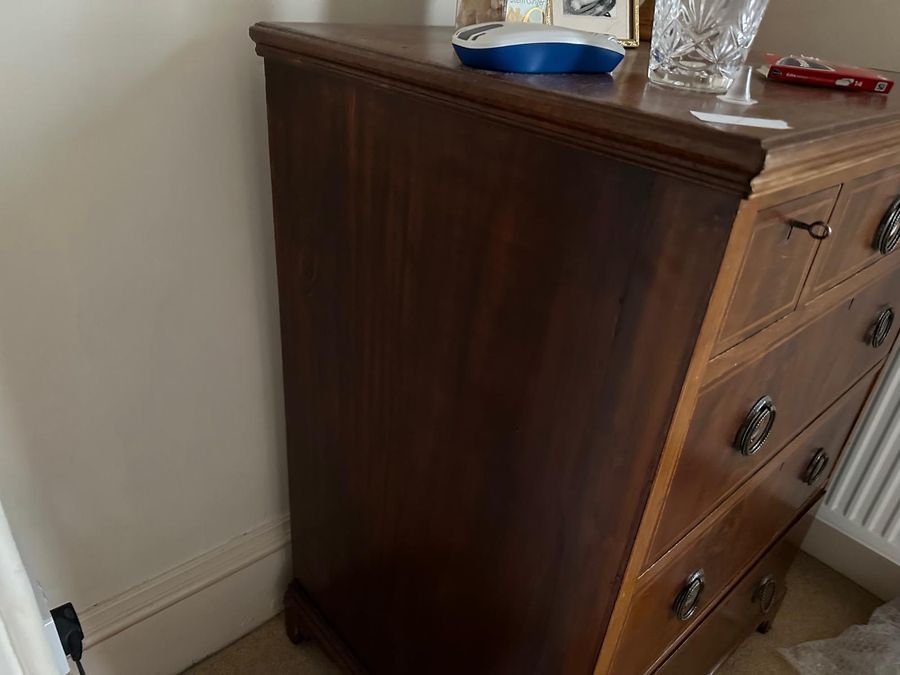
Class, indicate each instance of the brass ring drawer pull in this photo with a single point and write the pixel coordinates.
(881, 327)
(688, 601)
(764, 593)
(818, 229)
(888, 233)
(816, 467)
(756, 427)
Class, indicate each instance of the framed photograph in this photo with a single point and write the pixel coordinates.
(618, 18)
(528, 11)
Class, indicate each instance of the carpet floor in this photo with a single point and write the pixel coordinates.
(820, 603)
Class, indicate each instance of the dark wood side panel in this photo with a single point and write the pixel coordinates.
(484, 336)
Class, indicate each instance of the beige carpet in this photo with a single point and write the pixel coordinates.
(820, 603)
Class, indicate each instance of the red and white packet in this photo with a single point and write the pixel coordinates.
(820, 73)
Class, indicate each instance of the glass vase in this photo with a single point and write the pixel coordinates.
(702, 44)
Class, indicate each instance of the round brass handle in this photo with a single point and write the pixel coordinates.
(815, 467)
(888, 233)
(688, 601)
(765, 593)
(818, 229)
(756, 427)
(881, 327)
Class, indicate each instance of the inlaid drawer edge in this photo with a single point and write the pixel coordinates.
(737, 611)
(667, 538)
(712, 602)
(651, 573)
(718, 550)
(746, 353)
(831, 429)
(775, 265)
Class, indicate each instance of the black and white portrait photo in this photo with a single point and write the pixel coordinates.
(618, 18)
(589, 7)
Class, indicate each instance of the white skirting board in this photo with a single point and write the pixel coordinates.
(168, 623)
(841, 551)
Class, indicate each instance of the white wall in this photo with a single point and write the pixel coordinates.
(858, 32)
(141, 418)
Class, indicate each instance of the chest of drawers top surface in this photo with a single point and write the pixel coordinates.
(623, 114)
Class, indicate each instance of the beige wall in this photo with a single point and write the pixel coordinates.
(861, 32)
(141, 413)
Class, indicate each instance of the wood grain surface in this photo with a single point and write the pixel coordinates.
(484, 337)
(501, 297)
(731, 262)
(860, 209)
(733, 537)
(804, 374)
(621, 114)
(739, 613)
(776, 263)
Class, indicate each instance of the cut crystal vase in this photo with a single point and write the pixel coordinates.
(702, 44)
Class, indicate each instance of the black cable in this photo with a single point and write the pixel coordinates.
(68, 627)
(76, 648)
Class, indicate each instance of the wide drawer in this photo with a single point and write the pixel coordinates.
(863, 207)
(799, 377)
(775, 265)
(750, 605)
(718, 549)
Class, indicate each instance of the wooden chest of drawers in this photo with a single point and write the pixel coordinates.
(566, 371)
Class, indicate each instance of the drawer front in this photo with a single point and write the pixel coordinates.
(801, 376)
(775, 265)
(741, 612)
(726, 542)
(864, 204)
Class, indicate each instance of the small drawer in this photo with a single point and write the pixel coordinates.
(745, 417)
(776, 263)
(750, 605)
(865, 228)
(718, 549)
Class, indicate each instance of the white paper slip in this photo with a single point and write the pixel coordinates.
(738, 120)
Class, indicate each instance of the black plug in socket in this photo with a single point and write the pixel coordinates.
(69, 629)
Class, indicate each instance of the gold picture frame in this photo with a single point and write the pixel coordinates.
(527, 11)
(626, 29)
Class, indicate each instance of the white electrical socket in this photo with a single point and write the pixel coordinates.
(59, 654)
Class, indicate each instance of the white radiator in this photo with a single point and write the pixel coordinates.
(858, 527)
